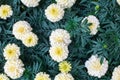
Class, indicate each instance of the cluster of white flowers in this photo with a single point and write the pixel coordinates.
(95, 24)
(5, 11)
(55, 12)
(31, 3)
(95, 67)
(14, 66)
(59, 40)
(22, 31)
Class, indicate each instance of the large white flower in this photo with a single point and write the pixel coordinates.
(14, 68)
(11, 51)
(95, 67)
(31, 3)
(118, 1)
(54, 13)
(5, 11)
(66, 3)
(116, 74)
(64, 76)
(95, 24)
(59, 52)
(60, 36)
(3, 77)
(30, 39)
(20, 28)
(42, 76)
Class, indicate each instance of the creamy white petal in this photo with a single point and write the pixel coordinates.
(31, 3)
(95, 68)
(54, 12)
(5, 11)
(116, 73)
(59, 52)
(42, 76)
(30, 39)
(95, 24)
(14, 68)
(11, 51)
(64, 76)
(66, 3)
(60, 36)
(20, 28)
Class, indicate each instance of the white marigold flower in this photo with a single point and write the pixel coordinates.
(30, 39)
(116, 74)
(14, 68)
(118, 1)
(95, 68)
(5, 11)
(66, 3)
(31, 3)
(11, 51)
(95, 24)
(3, 77)
(64, 76)
(54, 13)
(59, 52)
(20, 28)
(42, 76)
(60, 36)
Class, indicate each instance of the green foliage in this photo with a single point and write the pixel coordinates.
(106, 43)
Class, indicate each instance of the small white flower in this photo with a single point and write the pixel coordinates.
(30, 39)
(31, 3)
(95, 68)
(95, 24)
(11, 51)
(20, 28)
(3, 77)
(118, 1)
(64, 76)
(54, 13)
(5, 11)
(60, 36)
(66, 3)
(59, 52)
(14, 68)
(42, 76)
(116, 74)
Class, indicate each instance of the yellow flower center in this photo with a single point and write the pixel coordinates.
(4, 12)
(96, 65)
(58, 51)
(117, 77)
(10, 52)
(1, 78)
(64, 66)
(12, 68)
(54, 12)
(21, 30)
(40, 78)
(29, 40)
(91, 27)
(59, 39)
